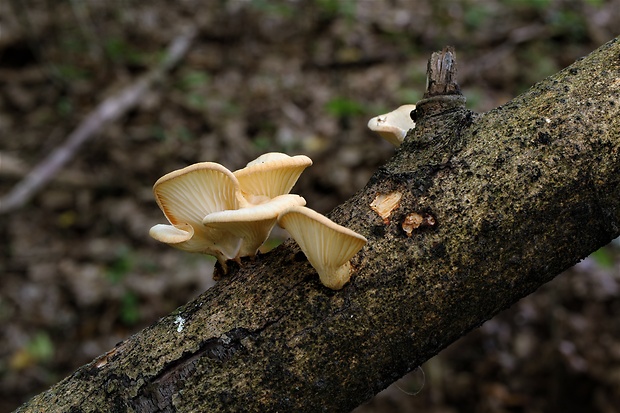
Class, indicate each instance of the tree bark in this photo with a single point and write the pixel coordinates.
(492, 206)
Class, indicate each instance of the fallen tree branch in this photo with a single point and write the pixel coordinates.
(108, 111)
(491, 207)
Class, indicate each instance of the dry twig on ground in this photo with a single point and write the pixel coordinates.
(107, 111)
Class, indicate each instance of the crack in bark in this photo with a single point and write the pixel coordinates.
(156, 395)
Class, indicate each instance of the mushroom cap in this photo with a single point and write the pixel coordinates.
(270, 175)
(268, 157)
(172, 234)
(223, 245)
(253, 224)
(393, 126)
(327, 245)
(185, 196)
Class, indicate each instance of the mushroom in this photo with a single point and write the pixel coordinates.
(270, 175)
(393, 126)
(186, 196)
(327, 245)
(253, 224)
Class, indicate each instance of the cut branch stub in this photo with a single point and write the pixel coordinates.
(441, 74)
(442, 91)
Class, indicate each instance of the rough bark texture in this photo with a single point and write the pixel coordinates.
(492, 207)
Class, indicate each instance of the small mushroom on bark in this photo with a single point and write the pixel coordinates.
(393, 126)
(253, 224)
(327, 245)
(270, 175)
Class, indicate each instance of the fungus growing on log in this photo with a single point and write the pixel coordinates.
(185, 197)
(327, 245)
(393, 126)
(226, 214)
(270, 175)
(231, 214)
(252, 224)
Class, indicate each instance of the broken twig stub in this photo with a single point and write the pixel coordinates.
(441, 74)
(443, 93)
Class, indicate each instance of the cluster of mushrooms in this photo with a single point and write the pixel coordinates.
(229, 215)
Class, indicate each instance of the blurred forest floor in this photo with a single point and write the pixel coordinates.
(79, 272)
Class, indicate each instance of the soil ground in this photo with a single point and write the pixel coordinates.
(78, 271)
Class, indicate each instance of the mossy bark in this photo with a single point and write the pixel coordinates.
(508, 200)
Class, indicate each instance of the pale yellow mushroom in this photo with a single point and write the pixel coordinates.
(186, 196)
(252, 224)
(327, 245)
(270, 175)
(393, 126)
